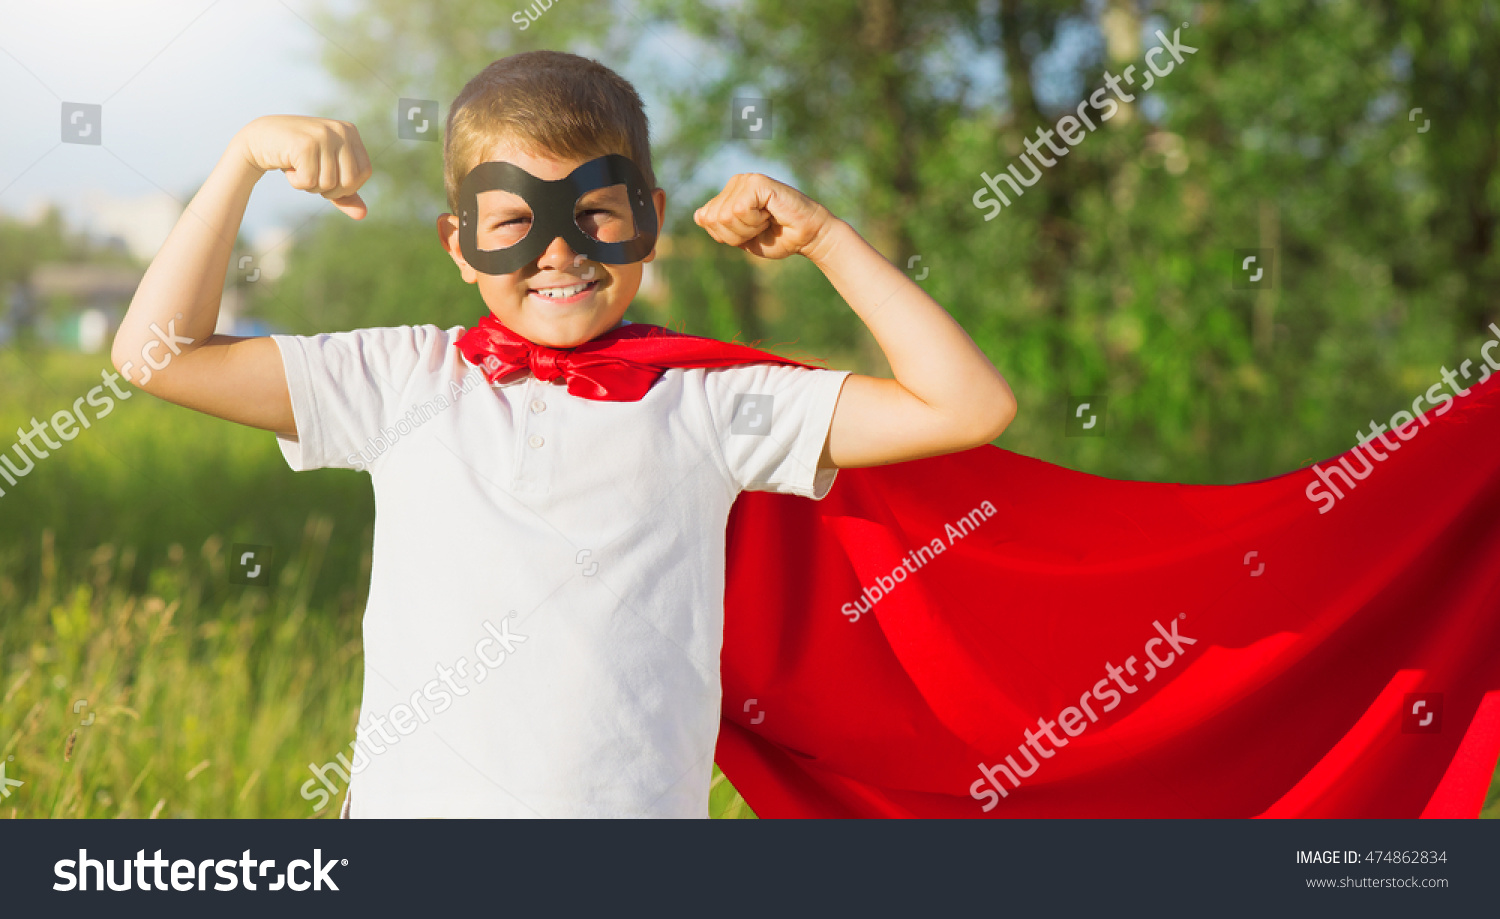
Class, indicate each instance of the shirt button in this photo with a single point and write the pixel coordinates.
(536, 440)
(538, 406)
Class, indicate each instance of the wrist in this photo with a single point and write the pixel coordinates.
(240, 157)
(826, 241)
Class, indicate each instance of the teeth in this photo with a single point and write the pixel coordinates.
(560, 293)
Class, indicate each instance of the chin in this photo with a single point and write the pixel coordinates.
(559, 333)
(560, 342)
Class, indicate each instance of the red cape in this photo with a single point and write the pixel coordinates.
(1315, 636)
(1056, 644)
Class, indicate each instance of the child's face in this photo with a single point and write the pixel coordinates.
(514, 298)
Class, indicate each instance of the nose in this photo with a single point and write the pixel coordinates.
(558, 255)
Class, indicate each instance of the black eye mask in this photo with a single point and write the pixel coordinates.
(554, 209)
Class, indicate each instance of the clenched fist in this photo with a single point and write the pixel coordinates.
(764, 217)
(318, 155)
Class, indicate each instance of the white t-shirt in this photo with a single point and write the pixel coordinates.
(547, 602)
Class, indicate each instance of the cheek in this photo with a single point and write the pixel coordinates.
(625, 276)
(502, 287)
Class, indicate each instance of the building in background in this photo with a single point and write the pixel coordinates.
(77, 305)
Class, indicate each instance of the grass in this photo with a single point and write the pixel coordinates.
(193, 703)
(200, 698)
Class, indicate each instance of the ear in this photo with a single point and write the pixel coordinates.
(447, 228)
(658, 198)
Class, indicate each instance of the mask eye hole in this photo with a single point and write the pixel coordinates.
(604, 215)
(504, 220)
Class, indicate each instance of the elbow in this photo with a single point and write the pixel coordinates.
(1000, 422)
(999, 412)
(119, 347)
(119, 352)
(125, 355)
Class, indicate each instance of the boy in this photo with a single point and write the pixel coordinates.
(546, 606)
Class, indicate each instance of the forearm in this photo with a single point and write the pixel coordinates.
(181, 290)
(930, 354)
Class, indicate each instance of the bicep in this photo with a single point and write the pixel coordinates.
(878, 421)
(237, 379)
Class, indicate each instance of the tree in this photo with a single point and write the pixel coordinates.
(1285, 128)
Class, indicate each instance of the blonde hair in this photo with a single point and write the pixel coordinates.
(549, 103)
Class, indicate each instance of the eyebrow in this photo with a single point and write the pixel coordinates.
(597, 197)
(505, 210)
(609, 195)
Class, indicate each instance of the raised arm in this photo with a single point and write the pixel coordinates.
(166, 344)
(946, 395)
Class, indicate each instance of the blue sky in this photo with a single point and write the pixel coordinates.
(176, 78)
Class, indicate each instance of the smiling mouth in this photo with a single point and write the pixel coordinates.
(570, 294)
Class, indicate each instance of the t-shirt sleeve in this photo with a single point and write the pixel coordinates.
(771, 421)
(347, 387)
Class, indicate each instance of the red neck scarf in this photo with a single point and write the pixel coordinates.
(618, 366)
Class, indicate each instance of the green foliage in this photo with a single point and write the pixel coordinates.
(150, 475)
(1286, 129)
(377, 272)
(23, 247)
